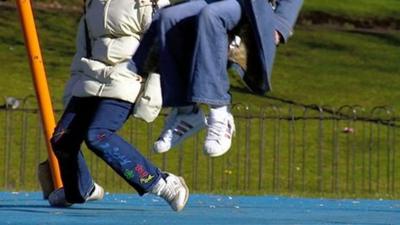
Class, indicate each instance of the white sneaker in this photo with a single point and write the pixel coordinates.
(172, 189)
(178, 126)
(219, 135)
(97, 193)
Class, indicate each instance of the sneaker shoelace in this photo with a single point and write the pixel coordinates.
(218, 128)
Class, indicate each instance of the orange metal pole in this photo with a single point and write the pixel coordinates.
(40, 83)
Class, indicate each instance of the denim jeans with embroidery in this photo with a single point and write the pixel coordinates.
(95, 121)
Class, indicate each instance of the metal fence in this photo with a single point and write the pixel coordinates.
(349, 151)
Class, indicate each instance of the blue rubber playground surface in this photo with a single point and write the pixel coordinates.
(30, 208)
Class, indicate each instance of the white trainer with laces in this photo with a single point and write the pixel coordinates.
(173, 190)
(219, 135)
(178, 127)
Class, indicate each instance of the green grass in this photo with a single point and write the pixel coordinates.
(356, 9)
(319, 65)
(56, 34)
(332, 67)
(352, 9)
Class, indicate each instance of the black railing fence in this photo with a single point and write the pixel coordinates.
(312, 150)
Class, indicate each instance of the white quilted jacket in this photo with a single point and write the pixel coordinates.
(115, 28)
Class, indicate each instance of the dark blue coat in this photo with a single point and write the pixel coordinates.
(264, 20)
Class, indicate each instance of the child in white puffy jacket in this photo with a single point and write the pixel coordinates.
(99, 98)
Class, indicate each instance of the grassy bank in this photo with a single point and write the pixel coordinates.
(355, 9)
(326, 66)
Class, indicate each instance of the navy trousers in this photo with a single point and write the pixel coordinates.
(95, 121)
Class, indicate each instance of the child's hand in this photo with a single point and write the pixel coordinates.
(277, 38)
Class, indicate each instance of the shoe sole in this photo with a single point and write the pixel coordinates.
(216, 154)
(186, 195)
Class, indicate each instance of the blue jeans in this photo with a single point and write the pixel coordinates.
(193, 44)
(95, 121)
